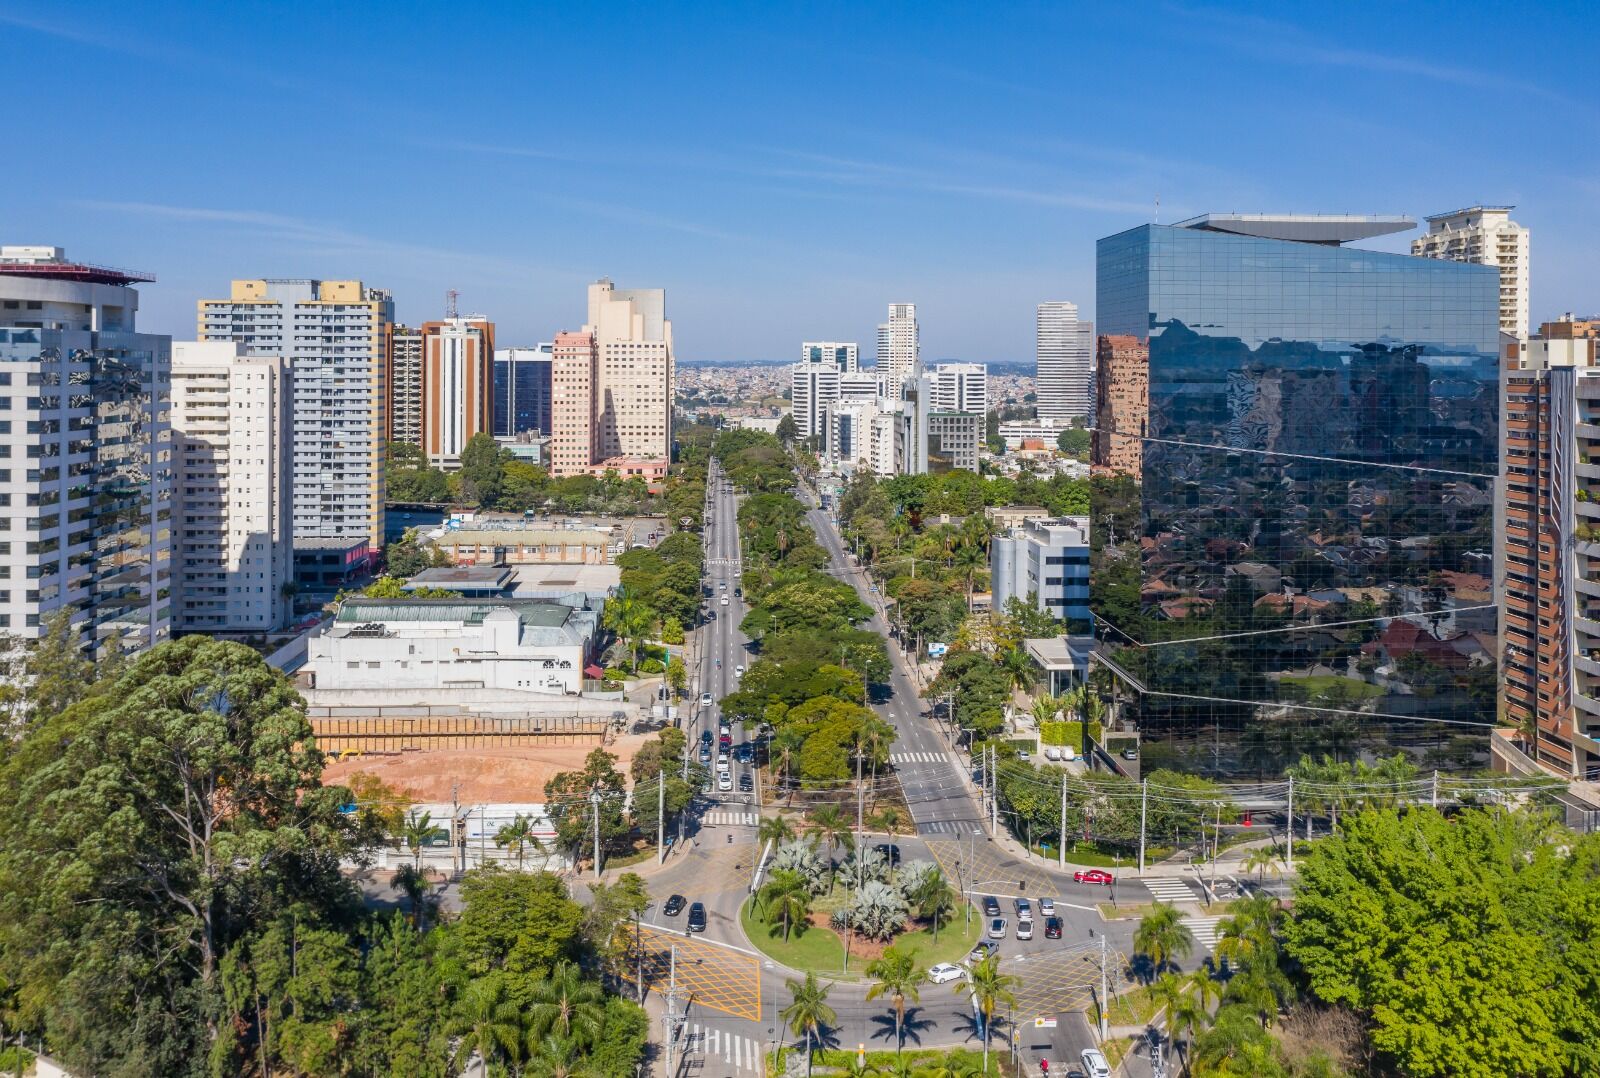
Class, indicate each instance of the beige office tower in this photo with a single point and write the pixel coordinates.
(899, 346)
(457, 386)
(572, 379)
(1487, 236)
(634, 373)
(233, 550)
(335, 337)
(405, 385)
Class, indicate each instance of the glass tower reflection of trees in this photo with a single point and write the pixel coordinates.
(1305, 564)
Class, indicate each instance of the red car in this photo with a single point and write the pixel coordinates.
(1092, 875)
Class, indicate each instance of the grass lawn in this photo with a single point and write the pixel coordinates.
(822, 949)
(1132, 1008)
(838, 1061)
(1316, 684)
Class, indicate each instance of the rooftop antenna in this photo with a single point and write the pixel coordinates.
(450, 298)
(1158, 208)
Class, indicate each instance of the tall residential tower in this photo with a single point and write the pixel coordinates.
(336, 337)
(1487, 236)
(899, 346)
(1064, 356)
(457, 386)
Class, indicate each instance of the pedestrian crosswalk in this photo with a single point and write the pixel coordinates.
(722, 1050)
(947, 827)
(1204, 930)
(903, 758)
(733, 819)
(1167, 889)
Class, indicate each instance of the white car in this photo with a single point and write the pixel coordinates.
(738, 671)
(1022, 754)
(945, 972)
(723, 768)
(725, 781)
(705, 699)
(1095, 1063)
(724, 600)
(1025, 929)
(997, 928)
(1052, 752)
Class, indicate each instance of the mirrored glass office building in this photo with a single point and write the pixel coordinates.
(1304, 563)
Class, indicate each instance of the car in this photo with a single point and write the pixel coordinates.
(1095, 1063)
(890, 852)
(1052, 752)
(991, 906)
(722, 766)
(736, 574)
(1022, 754)
(724, 781)
(674, 906)
(724, 585)
(705, 737)
(746, 783)
(1025, 929)
(1047, 907)
(983, 950)
(705, 754)
(705, 699)
(725, 742)
(1052, 928)
(997, 928)
(738, 671)
(1130, 753)
(1024, 908)
(724, 729)
(697, 918)
(1092, 875)
(737, 592)
(945, 972)
(724, 600)
(743, 752)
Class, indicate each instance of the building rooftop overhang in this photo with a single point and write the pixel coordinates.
(1466, 210)
(1328, 229)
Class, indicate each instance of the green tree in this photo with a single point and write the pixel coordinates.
(412, 882)
(1162, 937)
(1074, 443)
(830, 825)
(788, 431)
(482, 470)
(488, 1023)
(808, 1013)
(613, 909)
(897, 976)
(677, 674)
(990, 990)
(775, 829)
(786, 898)
(519, 922)
(419, 832)
(517, 836)
(186, 811)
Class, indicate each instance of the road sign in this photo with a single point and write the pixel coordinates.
(1045, 1022)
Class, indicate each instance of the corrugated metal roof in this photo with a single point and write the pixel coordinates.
(531, 612)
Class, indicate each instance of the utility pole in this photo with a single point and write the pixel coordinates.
(1216, 846)
(860, 804)
(1104, 1018)
(1144, 805)
(594, 802)
(457, 839)
(994, 790)
(670, 1018)
(661, 815)
(1061, 836)
(638, 943)
(1288, 833)
(1435, 797)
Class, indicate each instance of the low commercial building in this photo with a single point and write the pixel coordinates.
(1044, 563)
(533, 645)
(510, 545)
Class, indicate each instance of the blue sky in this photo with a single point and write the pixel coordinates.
(784, 172)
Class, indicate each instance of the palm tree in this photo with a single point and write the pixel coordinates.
(775, 829)
(554, 1057)
(1249, 931)
(888, 820)
(1207, 989)
(989, 988)
(935, 899)
(410, 880)
(1162, 936)
(629, 617)
(1168, 992)
(830, 824)
(569, 1006)
(488, 1023)
(518, 834)
(971, 559)
(1261, 860)
(808, 1014)
(785, 762)
(419, 831)
(787, 896)
(1018, 668)
(897, 976)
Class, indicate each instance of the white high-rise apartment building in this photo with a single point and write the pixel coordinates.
(1064, 355)
(861, 434)
(233, 542)
(85, 455)
(844, 355)
(813, 389)
(334, 335)
(899, 346)
(405, 385)
(860, 386)
(961, 387)
(1487, 236)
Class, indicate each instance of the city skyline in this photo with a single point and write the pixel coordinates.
(967, 195)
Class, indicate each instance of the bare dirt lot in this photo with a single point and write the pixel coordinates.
(492, 775)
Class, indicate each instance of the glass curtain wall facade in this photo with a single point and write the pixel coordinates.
(1306, 564)
(522, 392)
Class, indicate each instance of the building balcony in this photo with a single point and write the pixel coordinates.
(1588, 430)
(1588, 627)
